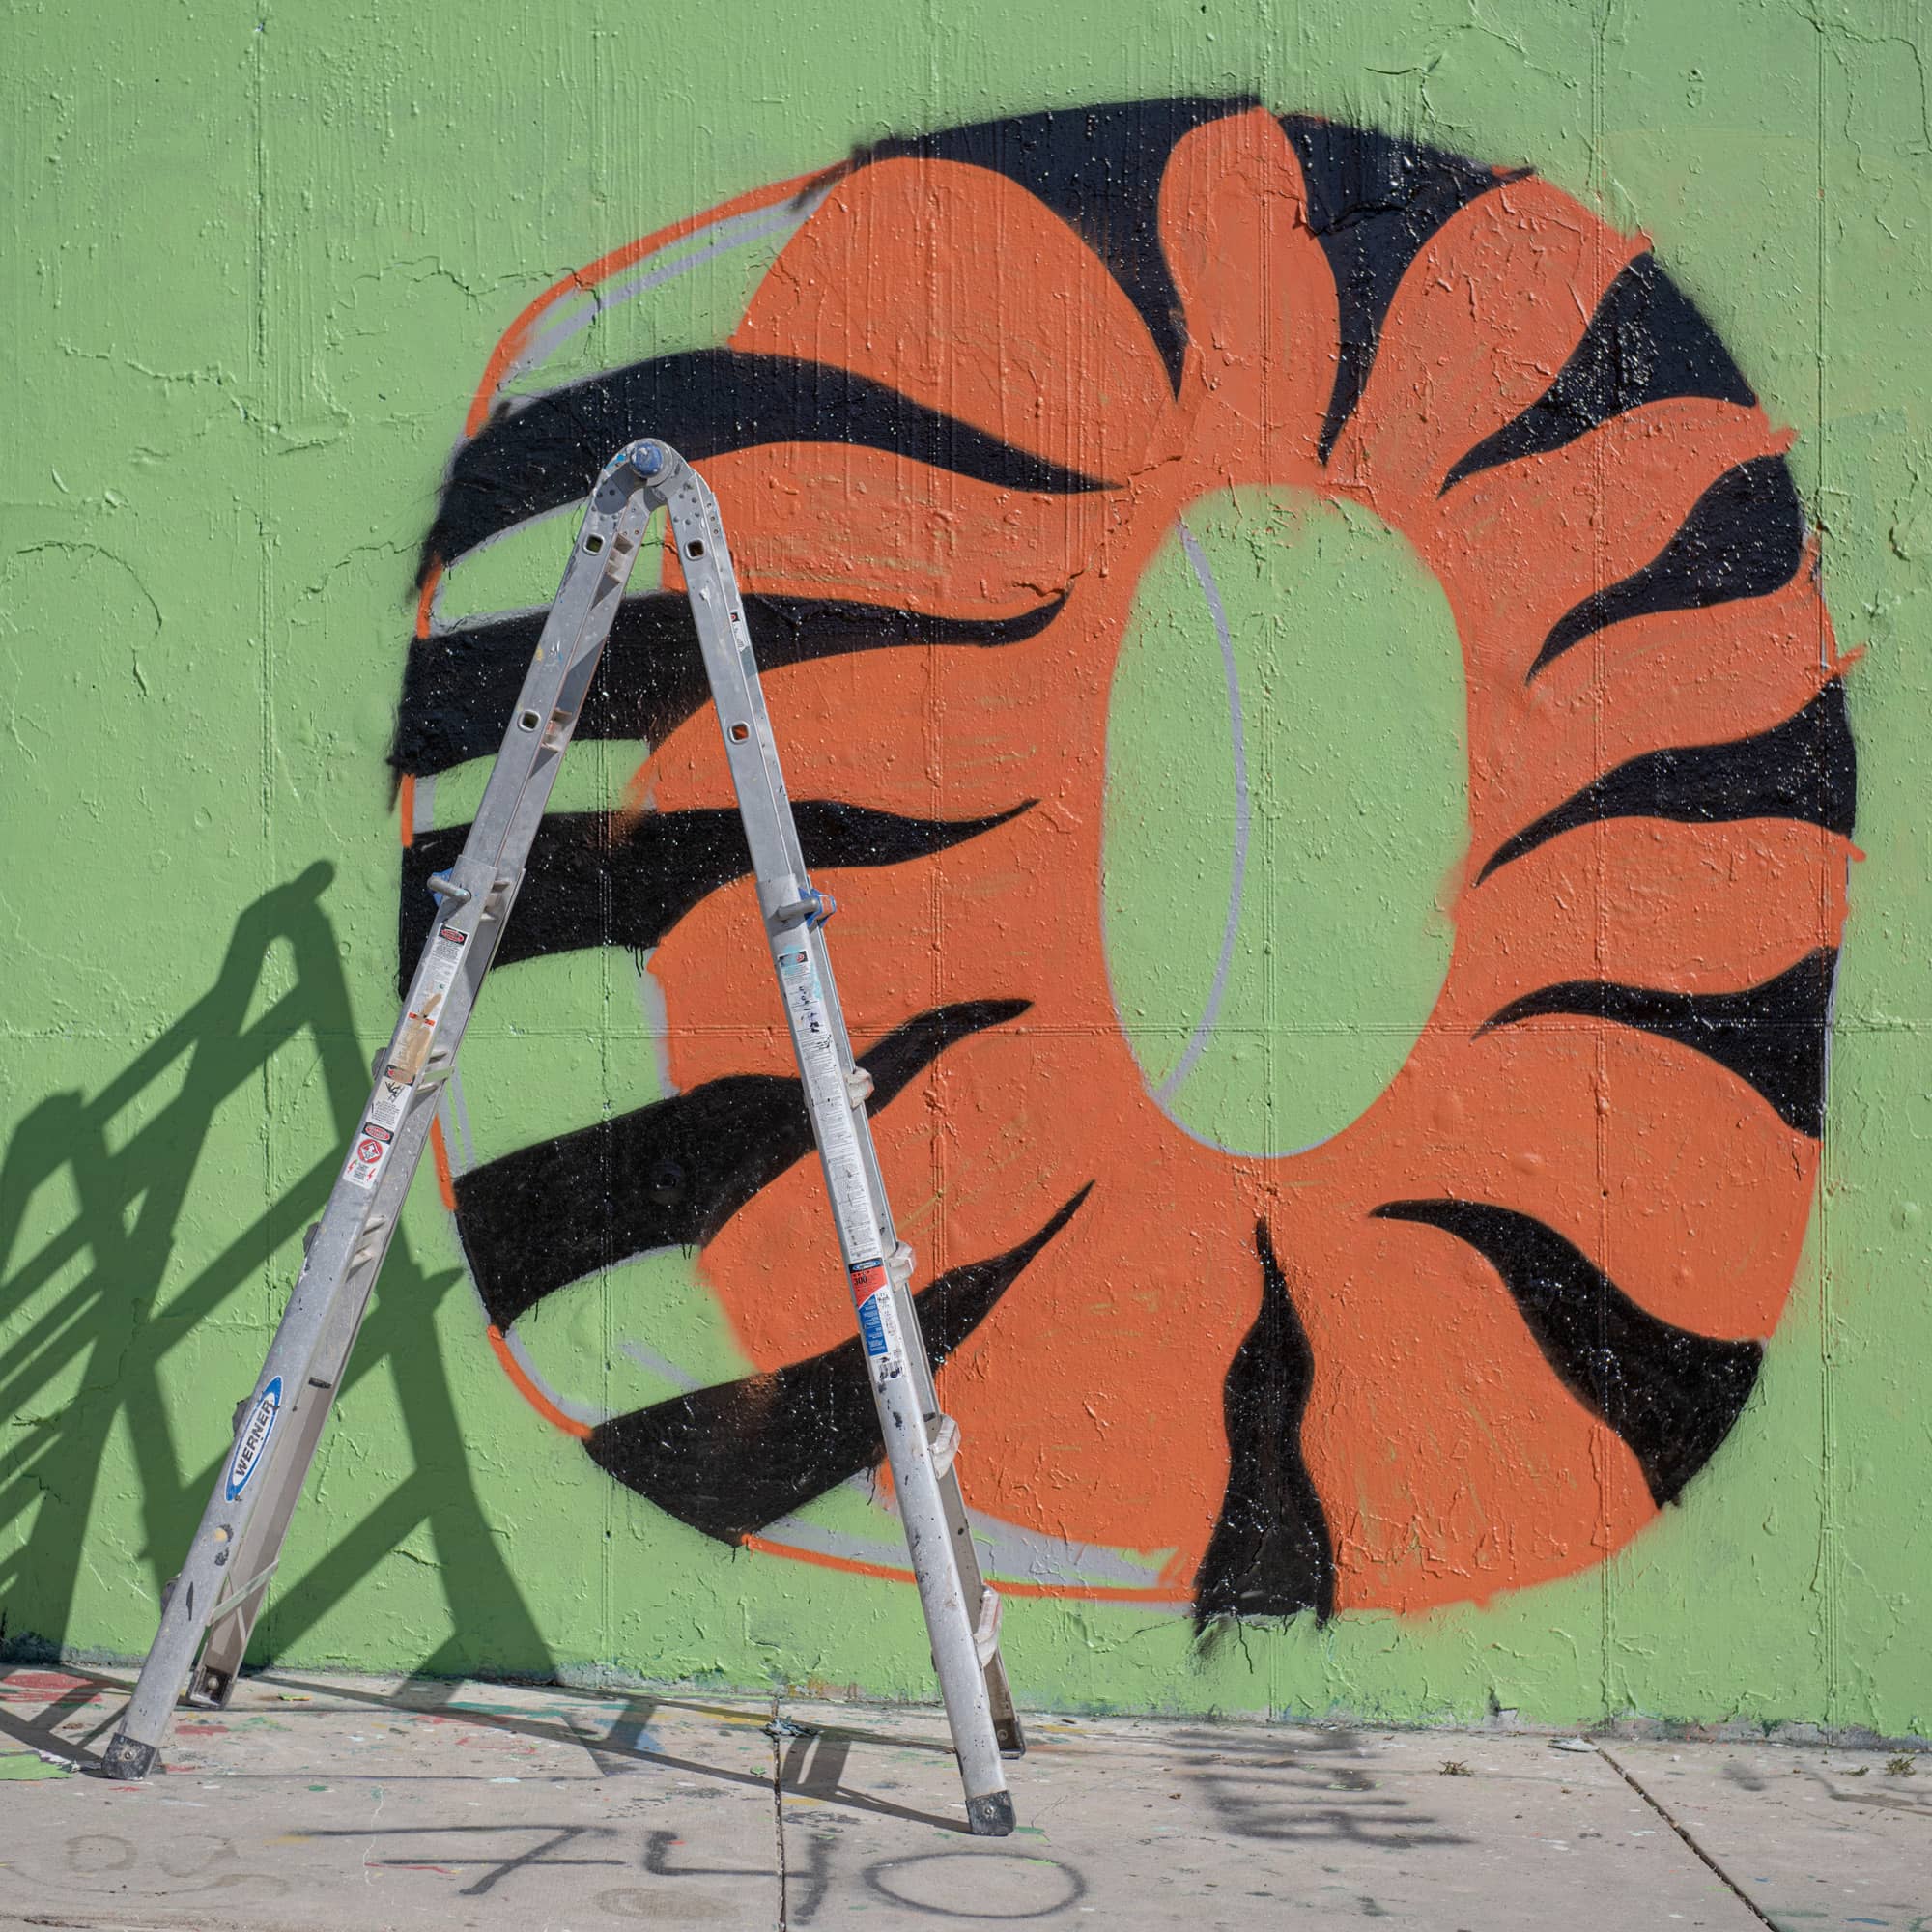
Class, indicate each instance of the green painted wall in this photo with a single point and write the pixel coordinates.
(257, 258)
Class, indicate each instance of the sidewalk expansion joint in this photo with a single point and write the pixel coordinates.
(775, 1729)
(1737, 1890)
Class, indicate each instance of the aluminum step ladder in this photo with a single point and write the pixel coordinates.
(223, 1583)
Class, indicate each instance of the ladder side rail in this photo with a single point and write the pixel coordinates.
(273, 1444)
(717, 612)
(1006, 1727)
(585, 606)
(894, 1356)
(747, 688)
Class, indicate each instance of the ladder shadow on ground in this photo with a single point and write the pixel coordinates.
(622, 1743)
(91, 1311)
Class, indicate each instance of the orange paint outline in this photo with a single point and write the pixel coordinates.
(530, 1391)
(446, 1181)
(426, 599)
(518, 335)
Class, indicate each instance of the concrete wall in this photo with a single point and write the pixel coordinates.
(1311, 563)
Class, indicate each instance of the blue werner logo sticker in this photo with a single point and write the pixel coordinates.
(254, 1439)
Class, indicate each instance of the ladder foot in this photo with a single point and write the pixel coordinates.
(210, 1689)
(128, 1760)
(990, 1816)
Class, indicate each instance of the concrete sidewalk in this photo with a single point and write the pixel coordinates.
(365, 1804)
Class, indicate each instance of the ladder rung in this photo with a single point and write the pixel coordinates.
(986, 1637)
(945, 1440)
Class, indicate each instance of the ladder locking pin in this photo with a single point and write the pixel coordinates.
(986, 1637)
(444, 887)
(859, 1085)
(944, 1446)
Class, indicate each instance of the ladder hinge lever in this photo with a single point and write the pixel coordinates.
(811, 906)
(445, 888)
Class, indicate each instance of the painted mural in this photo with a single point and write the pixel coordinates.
(1480, 1335)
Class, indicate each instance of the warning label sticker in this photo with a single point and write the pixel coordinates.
(390, 1100)
(419, 1024)
(367, 1156)
(871, 1325)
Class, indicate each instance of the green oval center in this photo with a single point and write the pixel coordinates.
(1286, 800)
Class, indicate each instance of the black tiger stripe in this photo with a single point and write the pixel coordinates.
(460, 687)
(584, 888)
(1771, 1036)
(669, 1175)
(1270, 1554)
(1804, 769)
(1744, 537)
(1374, 201)
(705, 403)
(730, 1459)
(1100, 169)
(1646, 342)
(1671, 1395)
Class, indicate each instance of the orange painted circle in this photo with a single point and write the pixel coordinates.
(1519, 1290)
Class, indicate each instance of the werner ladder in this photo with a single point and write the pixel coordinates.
(223, 1583)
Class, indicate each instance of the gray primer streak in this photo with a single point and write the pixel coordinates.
(733, 233)
(1196, 1043)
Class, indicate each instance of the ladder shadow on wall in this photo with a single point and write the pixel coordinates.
(91, 1311)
